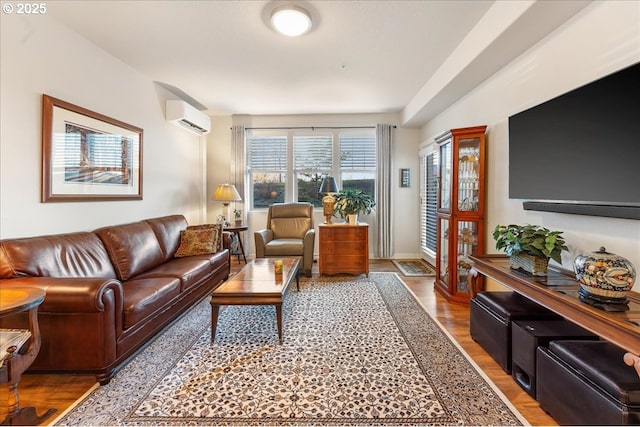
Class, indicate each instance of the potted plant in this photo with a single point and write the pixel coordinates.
(530, 246)
(237, 213)
(352, 201)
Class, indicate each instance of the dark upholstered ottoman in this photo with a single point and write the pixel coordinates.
(587, 383)
(527, 335)
(491, 314)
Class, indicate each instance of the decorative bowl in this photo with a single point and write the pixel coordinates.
(604, 276)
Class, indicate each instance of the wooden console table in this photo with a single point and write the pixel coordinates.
(558, 291)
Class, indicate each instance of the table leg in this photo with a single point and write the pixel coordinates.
(215, 308)
(241, 248)
(279, 320)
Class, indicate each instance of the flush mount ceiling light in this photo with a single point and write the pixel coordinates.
(291, 21)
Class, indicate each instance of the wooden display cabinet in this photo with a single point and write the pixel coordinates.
(460, 215)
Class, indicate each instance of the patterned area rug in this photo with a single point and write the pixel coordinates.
(356, 351)
(414, 267)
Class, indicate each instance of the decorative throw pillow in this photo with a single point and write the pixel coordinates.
(197, 242)
(217, 229)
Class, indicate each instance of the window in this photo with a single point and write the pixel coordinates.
(288, 165)
(428, 201)
(358, 161)
(267, 166)
(313, 157)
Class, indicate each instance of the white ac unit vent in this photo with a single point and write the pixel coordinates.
(186, 116)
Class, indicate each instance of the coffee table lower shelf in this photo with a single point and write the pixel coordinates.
(256, 284)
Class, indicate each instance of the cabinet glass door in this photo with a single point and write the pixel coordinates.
(466, 244)
(443, 248)
(468, 174)
(445, 176)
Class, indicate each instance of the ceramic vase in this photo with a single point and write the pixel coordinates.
(604, 277)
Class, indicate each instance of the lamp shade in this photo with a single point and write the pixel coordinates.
(227, 193)
(328, 185)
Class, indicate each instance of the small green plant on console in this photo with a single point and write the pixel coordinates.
(530, 239)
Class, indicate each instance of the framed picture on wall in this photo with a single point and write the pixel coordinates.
(87, 156)
(405, 177)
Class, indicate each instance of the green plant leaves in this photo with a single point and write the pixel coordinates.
(530, 239)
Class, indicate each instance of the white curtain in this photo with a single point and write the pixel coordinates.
(384, 142)
(238, 167)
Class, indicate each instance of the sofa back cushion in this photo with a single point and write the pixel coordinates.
(132, 248)
(63, 255)
(167, 230)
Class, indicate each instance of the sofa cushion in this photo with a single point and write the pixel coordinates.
(63, 255)
(167, 230)
(143, 297)
(218, 236)
(199, 241)
(190, 271)
(132, 248)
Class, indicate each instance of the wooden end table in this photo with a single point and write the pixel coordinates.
(15, 362)
(237, 229)
(256, 284)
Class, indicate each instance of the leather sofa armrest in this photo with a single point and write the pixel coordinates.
(73, 295)
(262, 237)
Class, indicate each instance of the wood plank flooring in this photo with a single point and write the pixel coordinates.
(60, 391)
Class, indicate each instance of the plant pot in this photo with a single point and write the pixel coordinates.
(529, 263)
(238, 222)
(353, 219)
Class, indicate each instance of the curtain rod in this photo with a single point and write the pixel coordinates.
(312, 127)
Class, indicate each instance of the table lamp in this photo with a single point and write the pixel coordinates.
(227, 193)
(328, 186)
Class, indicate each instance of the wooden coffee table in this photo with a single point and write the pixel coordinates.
(256, 284)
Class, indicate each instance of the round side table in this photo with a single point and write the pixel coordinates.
(15, 362)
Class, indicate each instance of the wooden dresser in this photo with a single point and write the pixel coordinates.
(344, 248)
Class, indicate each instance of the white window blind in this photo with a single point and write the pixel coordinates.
(267, 153)
(358, 151)
(312, 153)
(428, 201)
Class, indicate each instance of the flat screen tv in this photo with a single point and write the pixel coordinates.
(580, 152)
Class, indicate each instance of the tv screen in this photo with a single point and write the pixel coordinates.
(580, 148)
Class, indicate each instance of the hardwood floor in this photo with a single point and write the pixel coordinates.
(60, 391)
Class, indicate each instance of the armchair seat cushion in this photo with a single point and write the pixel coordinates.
(282, 247)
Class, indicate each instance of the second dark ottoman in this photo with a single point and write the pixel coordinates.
(527, 335)
(491, 314)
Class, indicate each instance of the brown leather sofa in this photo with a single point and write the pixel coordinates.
(109, 291)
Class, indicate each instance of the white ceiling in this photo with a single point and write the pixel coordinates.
(359, 57)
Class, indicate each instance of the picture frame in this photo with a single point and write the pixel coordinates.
(87, 156)
(405, 177)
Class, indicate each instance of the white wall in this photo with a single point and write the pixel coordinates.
(405, 200)
(41, 56)
(603, 38)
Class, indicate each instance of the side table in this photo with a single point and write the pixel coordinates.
(15, 362)
(237, 229)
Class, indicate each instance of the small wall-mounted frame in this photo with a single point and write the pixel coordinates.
(405, 177)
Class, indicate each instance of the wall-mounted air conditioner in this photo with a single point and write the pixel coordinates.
(186, 116)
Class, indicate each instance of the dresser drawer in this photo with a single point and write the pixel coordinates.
(347, 248)
(346, 260)
(340, 234)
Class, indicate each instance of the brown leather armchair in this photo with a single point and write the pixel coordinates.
(289, 233)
